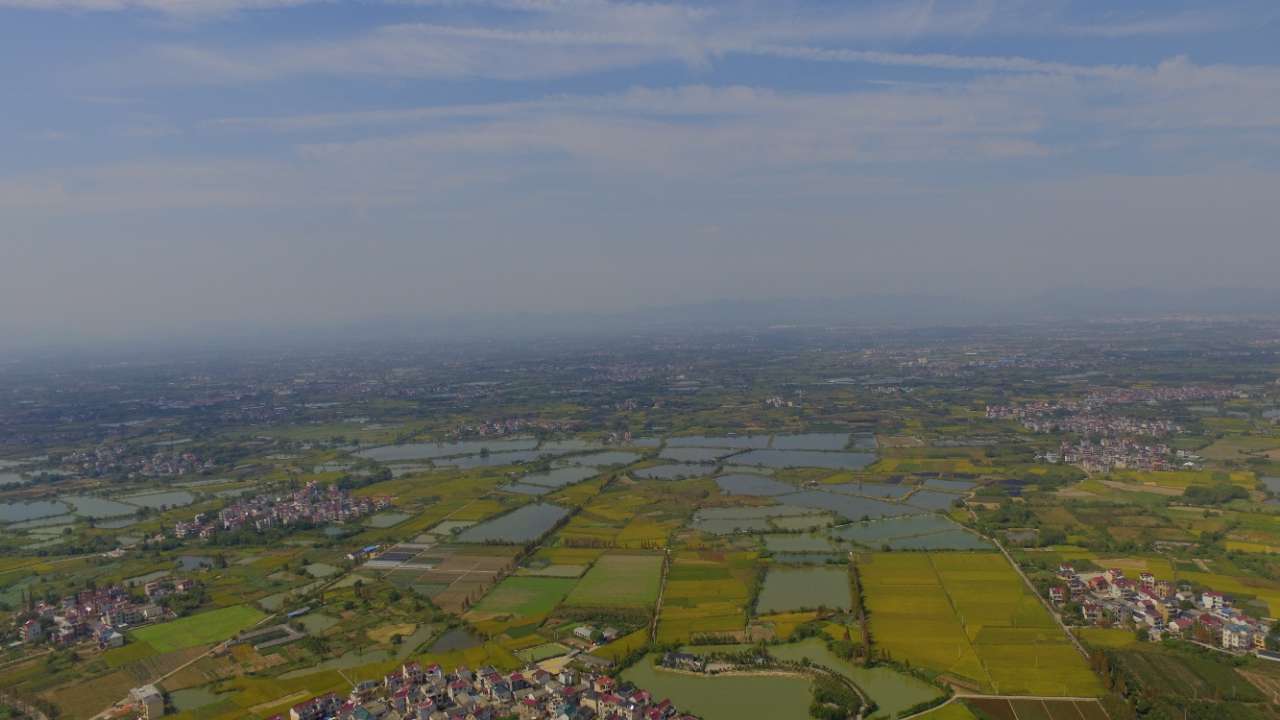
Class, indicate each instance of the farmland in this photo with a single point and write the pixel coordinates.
(706, 594)
(619, 580)
(523, 597)
(717, 495)
(208, 627)
(969, 614)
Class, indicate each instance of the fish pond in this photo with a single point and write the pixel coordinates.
(493, 459)
(694, 454)
(726, 697)
(725, 521)
(745, 484)
(522, 525)
(806, 458)
(932, 500)
(892, 691)
(912, 532)
(559, 477)
(741, 442)
(790, 589)
(95, 507)
(848, 506)
(875, 490)
(952, 486)
(20, 511)
(567, 446)
(811, 441)
(672, 472)
(157, 500)
(604, 459)
(427, 451)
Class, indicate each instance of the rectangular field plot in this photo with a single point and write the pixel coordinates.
(523, 597)
(1002, 709)
(705, 595)
(208, 627)
(970, 614)
(787, 590)
(619, 580)
(451, 575)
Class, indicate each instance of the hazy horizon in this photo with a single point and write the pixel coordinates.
(212, 166)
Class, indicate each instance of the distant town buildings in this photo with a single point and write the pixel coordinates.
(313, 504)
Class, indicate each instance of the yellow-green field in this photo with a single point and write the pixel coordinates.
(1106, 637)
(208, 627)
(969, 614)
(706, 594)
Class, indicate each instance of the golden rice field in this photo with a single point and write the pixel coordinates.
(969, 614)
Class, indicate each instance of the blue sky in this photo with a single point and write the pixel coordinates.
(170, 165)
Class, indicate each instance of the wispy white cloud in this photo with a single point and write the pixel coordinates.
(177, 8)
(1183, 23)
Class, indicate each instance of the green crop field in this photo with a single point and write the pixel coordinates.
(524, 596)
(619, 580)
(1163, 672)
(208, 627)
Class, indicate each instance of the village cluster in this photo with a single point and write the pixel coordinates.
(1120, 454)
(1162, 608)
(1051, 417)
(415, 692)
(313, 504)
(100, 615)
(114, 459)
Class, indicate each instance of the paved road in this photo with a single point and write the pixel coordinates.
(662, 587)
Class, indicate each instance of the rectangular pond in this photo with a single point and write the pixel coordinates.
(163, 499)
(912, 532)
(847, 506)
(874, 490)
(427, 451)
(694, 454)
(522, 525)
(791, 589)
(559, 477)
(744, 484)
(742, 442)
(493, 459)
(95, 507)
(603, 459)
(805, 458)
(21, 511)
(673, 472)
(952, 486)
(811, 441)
(933, 500)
